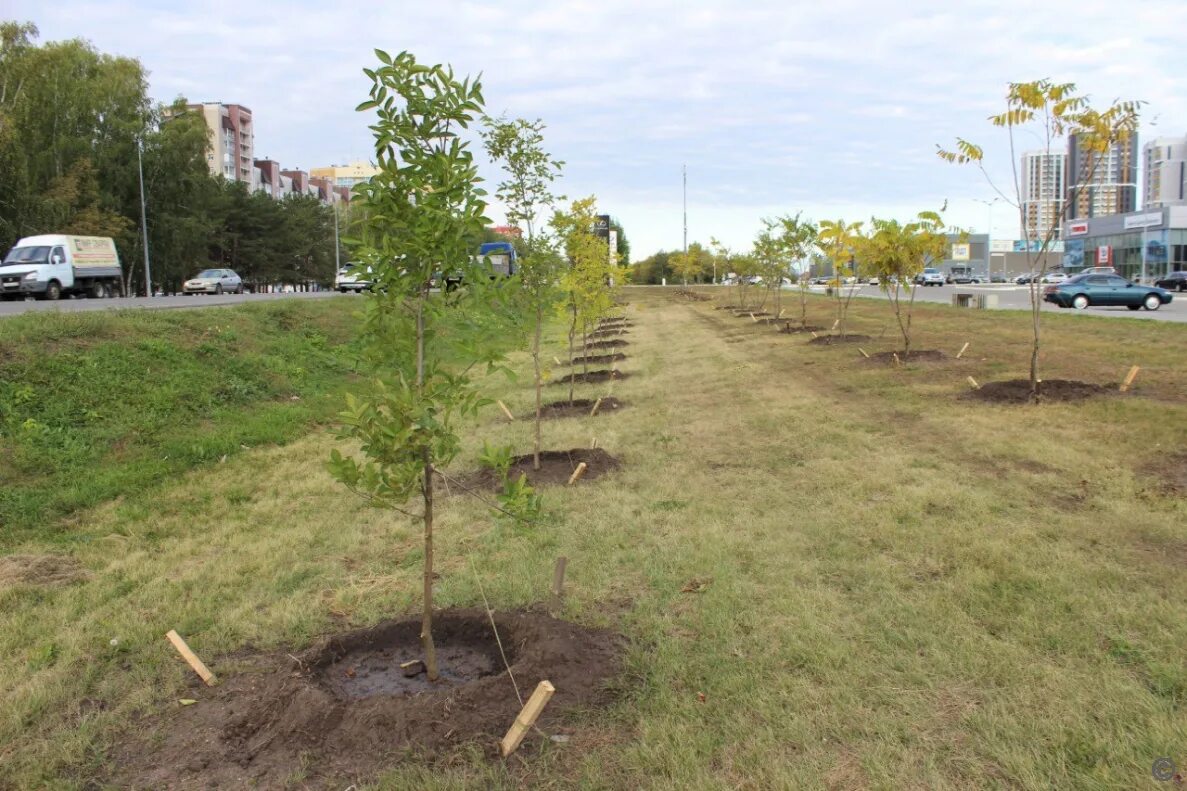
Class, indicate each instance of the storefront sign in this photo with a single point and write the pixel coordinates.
(1077, 228)
(960, 252)
(1148, 220)
(1104, 255)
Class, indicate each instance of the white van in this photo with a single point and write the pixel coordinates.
(54, 264)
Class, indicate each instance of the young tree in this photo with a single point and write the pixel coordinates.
(424, 209)
(797, 238)
(839, 242)
(897, 253)
(692, 265)
(1051, 111)
(519, 147)
(772, 267)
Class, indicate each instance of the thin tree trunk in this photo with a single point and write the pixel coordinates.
(803, 308)
(426, 624)
(584, 355)
(1034, 351)
(536, 362)
(572, 333)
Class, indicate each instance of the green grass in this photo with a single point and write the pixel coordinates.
(97, 405)
(907, 589)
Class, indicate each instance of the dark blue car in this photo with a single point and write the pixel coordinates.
(1088, 289)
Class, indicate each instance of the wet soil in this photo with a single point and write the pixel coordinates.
(836, 340)
(604, 375)
(1017, 391)
(579, 408)
(556, 467)
(917, 356)
(342, 710)
(614, 344)
(599, 358)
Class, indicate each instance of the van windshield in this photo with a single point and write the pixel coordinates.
(27, 255)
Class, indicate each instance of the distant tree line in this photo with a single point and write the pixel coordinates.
(71, 121)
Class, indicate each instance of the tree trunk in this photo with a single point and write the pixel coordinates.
(539, 383)
(572, 332)
(1034, 350)
(426, 624)
(803, 308)
(584, 355)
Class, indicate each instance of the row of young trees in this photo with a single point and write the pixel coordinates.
(73, 122)
(421, 347)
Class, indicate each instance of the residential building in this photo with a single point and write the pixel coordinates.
(1145, 244)
(1043, 194)
(346, 175)
(1165, 162)
(232, 138)
(1099, 185)
(267, 178)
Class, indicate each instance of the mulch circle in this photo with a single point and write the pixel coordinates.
(604, 375)
(792, 329)
(599, 334)
(1017, 391)
(745, 314)
(599, 358)
(615, 344)
(917, 356)
(836, 340)
(580, 407)
(344, 712)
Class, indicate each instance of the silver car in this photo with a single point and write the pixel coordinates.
(214, 281)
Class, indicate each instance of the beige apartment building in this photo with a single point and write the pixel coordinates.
(232, 138)
(346, 175)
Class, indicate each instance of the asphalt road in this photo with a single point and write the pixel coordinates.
(156, 303)
(1013, 297)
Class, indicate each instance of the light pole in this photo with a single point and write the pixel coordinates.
(143, 220)
(988, 233)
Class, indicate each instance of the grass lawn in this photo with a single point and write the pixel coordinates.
(895, 586)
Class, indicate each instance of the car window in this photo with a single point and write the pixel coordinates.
(1117, 282)
(1093, 281)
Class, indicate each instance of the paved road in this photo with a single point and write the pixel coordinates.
(156, 303)
(1012, 297)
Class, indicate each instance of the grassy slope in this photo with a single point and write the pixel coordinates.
(907, 589)
(96, 405)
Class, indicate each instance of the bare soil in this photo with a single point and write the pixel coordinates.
(556, 467)
(614, 344)
(748, 313)
(47, 570)
(599, 358)
(916, 356)
(342, 710)
(1170, 473)
(607, 333)
(604, 375)
(836, 340)
(1017, 391)
(579, 408)
(790, 327)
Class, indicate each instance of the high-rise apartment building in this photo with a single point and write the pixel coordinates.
(346, 175)
(1043, 193)
(232, 139)
(1102, 184)
(1165, 162)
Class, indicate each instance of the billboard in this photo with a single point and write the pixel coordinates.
(1073, 254)
(602, 226)
(960, 251)
(1154, 247)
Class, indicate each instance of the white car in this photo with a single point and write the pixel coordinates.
(214, 281)
(1054, 277)
(352, 278)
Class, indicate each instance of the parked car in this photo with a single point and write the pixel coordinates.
(997, 279)
(353, 278)
(214, 281)
(818, 281)
(930, 277)
(1054, 277)
(873, 281)
(1175, 281)
(1089, 289)
(1024, 280)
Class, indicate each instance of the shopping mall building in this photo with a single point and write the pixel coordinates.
(1143, 244)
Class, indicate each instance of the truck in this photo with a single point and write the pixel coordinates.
(960, 273)
(53, 265)
(502, 261)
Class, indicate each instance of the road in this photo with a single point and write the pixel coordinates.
(1013, 297)
(156, 303)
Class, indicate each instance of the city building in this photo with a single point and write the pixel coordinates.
(967, 251)
(1145, 244)
(1165, 161)
(1043, 194)
(232, 138)
(346, 175)
(1102, 184)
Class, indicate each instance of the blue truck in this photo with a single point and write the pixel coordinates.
(501, 260)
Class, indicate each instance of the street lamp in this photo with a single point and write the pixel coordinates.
(143, 220)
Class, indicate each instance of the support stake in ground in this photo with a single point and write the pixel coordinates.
(577, 473)
(1129, 377)
(506, 411)
(558, 582)
(596, 405)
(974, 384)
(192, 658)
(960, 353)
(527, 718)
(863, 352)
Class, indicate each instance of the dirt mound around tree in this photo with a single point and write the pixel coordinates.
(599, 358)
(836, 340)
(791, 329)
(1017, 391)
(556, 467)
(597, 334)
(604, 375)
(342, 711)
(580, 407)
(48, 570)
(615, 344)
(916, 356)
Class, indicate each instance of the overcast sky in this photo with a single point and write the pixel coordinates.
(833, 108)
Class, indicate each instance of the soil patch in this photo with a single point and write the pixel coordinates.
(1017, 391)
(599, 358)
(836, 340)
(1170, 473)
(556, 467)
(604, 375)
(48, 570)
(596, 334)
(615, 344)
(917, 356)
(745, 314)
(792, 329)
(579, 408)
(344, 711)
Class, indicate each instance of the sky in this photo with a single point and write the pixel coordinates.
(833, 109)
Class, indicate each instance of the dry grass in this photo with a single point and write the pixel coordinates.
(904, 589)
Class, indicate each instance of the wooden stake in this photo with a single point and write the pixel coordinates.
(558, 580)
(527, 718)
(577, 473)
(835, 323)
(753, 319)
(593, 442)
(897, 361)
(594, 411)
(973, 382)
(961, 352)
(863, 352)
(814, 335)
(1129, 377)
(556, 359)
(506, 411)
(781, 310)
(192, 658)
